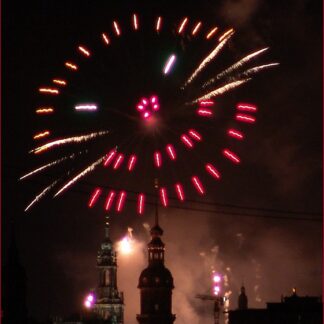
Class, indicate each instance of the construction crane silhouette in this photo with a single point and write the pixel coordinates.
(215, 296)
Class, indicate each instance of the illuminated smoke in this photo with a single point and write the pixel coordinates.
(221, 90)
(42, 194)
(126, 245)
(208, 59)
(235, 66)
(68, 140)
(82, 174)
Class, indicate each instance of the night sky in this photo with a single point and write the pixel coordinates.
(281, 165)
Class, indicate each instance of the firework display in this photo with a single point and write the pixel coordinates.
(142, 113)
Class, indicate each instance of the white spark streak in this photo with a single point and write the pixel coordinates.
(257, 69)
(209, 58)
(221, 90)
(58, 161)
(74, 139)
(83, 173)
(236, 66)
(41, 195)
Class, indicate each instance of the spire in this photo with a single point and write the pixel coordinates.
(156, 187)
(107, 227)
(156, 230)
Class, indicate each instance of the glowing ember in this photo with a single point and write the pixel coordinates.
(41, 135)
(59, 82)
(198, 185)
(169, 64)
(121, 201)
(212, 171)
(135, 22)
(118, 161)
(147, 106)
(86, 107)
(44, 110)
(245, 118)
(195, 135)
(109, 157)
(179, 191)
(109, 200)
(158, 23)
(49, 90)
(231, 156)
(171, 152)
(182, 26)
(140, 204)
(186, 141)
(116, 27)
(164, 197)
(131, 162)
(84, 51)
(246, 107)
(105, 38)
(211, 33)
(71, 66)
(158, 159)
(235, 134)
(205, 112)
(196, 28)
(94, 197)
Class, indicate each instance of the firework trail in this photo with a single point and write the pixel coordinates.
(257, 69)
(209, 58)
(68, 140)
(235, 66)
(42, 194)
(221, 90)
(88, 169)
(72, 156)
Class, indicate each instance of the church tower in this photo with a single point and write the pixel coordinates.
(156, 283)
(242, 299)
(109, 303)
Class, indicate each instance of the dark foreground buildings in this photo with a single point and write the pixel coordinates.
(156, 284)
(291, 310)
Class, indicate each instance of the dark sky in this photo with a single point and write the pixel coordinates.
(282, 157)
